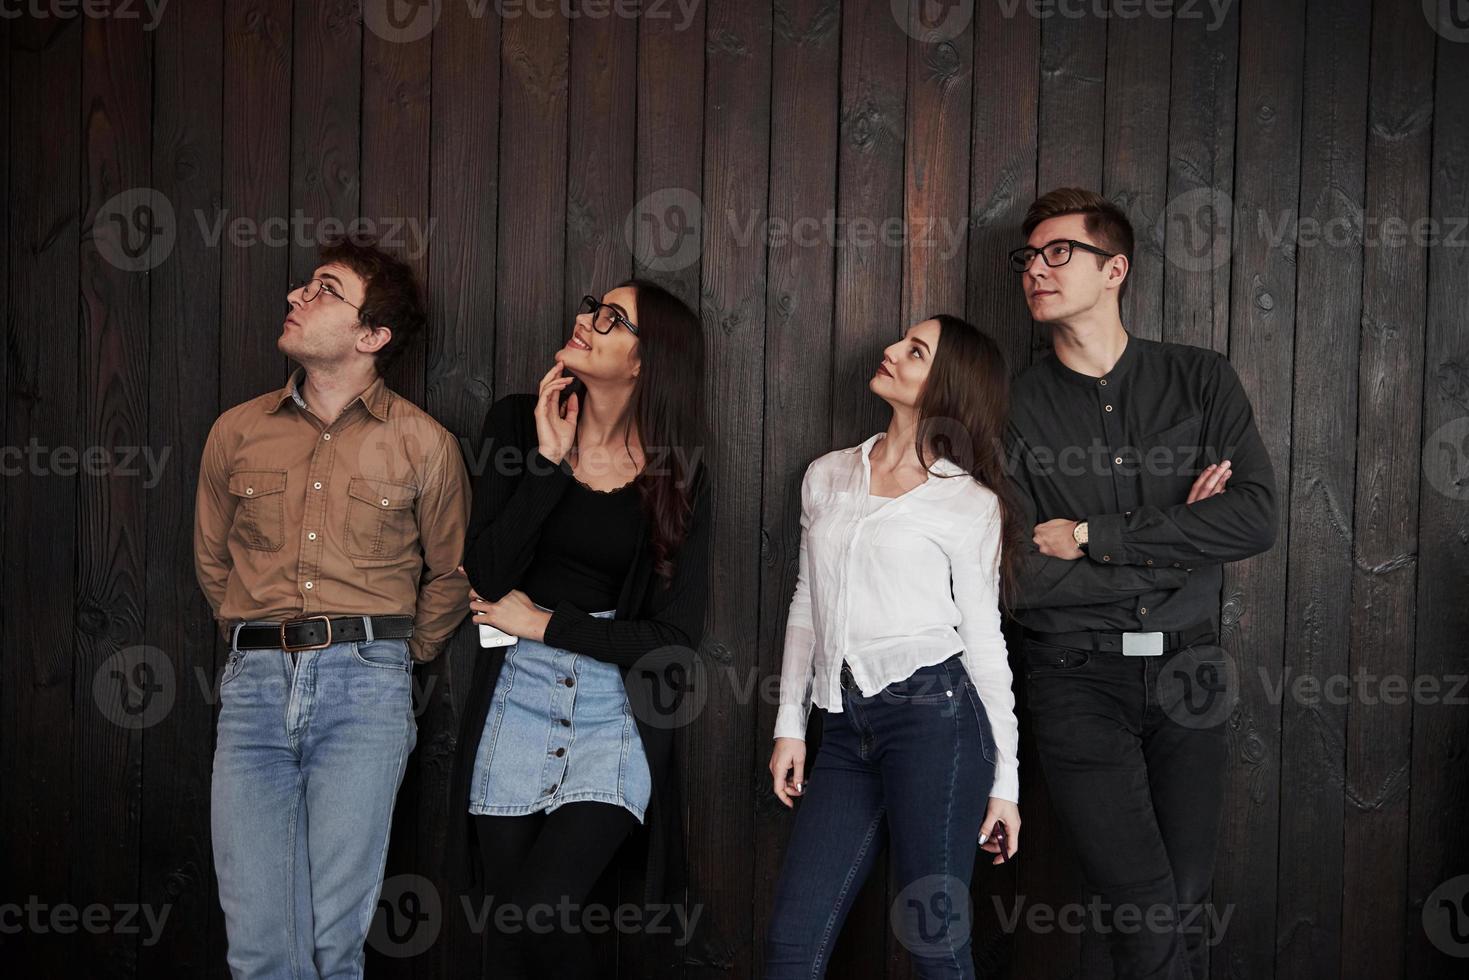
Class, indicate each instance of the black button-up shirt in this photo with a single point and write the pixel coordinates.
(1121, 453)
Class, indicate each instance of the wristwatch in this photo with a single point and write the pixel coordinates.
(1079, 535)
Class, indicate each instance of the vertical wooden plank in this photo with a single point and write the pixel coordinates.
(396, 57)
(733, 292)
(936, 175)
(39, 718)
(1390, 385)
(175, 851)
(799, 302)
(1322, 462)
(114, 672)
(326, 124)
(667, 216)
(1135, 162)
(1438, 849)
(600, 183)
(1002, 175)
(1261, 341)
(531, 258)
(602, 153)
(1196, 226)
(869, 312)
(395, 166)
(464, 202)
(935, 219)
(1073, 103)
(256, 187)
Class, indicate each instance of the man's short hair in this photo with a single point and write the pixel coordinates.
(391, 295)
(1105, 222)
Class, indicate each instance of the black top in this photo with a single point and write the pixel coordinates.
(656, 629)
(587, 545)
(1121, 452)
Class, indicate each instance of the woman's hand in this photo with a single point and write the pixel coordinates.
(515, 614)
(555, 426)
(1002, 811)
(788, 769)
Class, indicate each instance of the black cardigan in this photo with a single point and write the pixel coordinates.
(656, 629)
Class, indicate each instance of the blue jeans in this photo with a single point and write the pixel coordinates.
(915, 761)
(312, 747)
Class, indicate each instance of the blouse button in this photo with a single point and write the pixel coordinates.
(560, 753)
(569, 682)
(565, 722)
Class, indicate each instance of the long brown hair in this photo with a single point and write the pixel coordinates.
(667, 409)
(962, 414)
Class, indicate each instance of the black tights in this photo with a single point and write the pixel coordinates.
(541, 864)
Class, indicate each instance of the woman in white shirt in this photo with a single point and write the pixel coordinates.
(894, 630)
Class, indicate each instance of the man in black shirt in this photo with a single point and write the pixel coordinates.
(1140, 468)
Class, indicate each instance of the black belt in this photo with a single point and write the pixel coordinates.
(317, 632)
(1132, 642)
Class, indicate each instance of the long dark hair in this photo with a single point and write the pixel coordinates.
(962, 414)
(667, 409)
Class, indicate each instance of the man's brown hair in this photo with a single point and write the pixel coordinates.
(1105, 222)
(391, 296)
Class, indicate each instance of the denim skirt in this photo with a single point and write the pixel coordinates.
(559, 730)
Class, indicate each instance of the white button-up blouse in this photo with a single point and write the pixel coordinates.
(892, 589)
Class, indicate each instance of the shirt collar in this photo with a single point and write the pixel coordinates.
(375, 398)
(1130, 354)
(939, 467)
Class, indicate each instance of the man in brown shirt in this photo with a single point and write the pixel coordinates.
(329, 526)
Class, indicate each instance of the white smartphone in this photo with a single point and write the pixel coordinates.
(490, 636)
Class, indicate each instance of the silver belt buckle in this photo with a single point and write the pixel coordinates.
(1142, 644)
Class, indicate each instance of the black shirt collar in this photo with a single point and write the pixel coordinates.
(1119, 370)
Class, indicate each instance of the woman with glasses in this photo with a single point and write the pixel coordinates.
(588, 544)
(894, 630)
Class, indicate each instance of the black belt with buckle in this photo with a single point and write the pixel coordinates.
(318, 632)
(1129, 643)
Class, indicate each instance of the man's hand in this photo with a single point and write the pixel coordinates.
(1055, 537)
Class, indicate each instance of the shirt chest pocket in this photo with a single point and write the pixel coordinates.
(380, 524)
(1172, 459)
(260, 509)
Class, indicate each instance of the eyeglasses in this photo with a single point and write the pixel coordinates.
(606, 316)
(1053, 254)
(312, 288)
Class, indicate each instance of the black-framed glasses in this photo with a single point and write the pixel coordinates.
(1053, 254)
(314, 287)
(605, 316)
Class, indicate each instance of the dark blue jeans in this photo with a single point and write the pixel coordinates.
(915, 762)
(1133, 750)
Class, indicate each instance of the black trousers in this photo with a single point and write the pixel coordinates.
(1133, 750)
(543, 865)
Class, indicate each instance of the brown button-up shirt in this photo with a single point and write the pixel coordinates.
(365, 515)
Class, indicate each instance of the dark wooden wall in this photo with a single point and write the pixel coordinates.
(533, 145)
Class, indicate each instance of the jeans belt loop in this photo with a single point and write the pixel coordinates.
(235, 636)
(367, 629)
